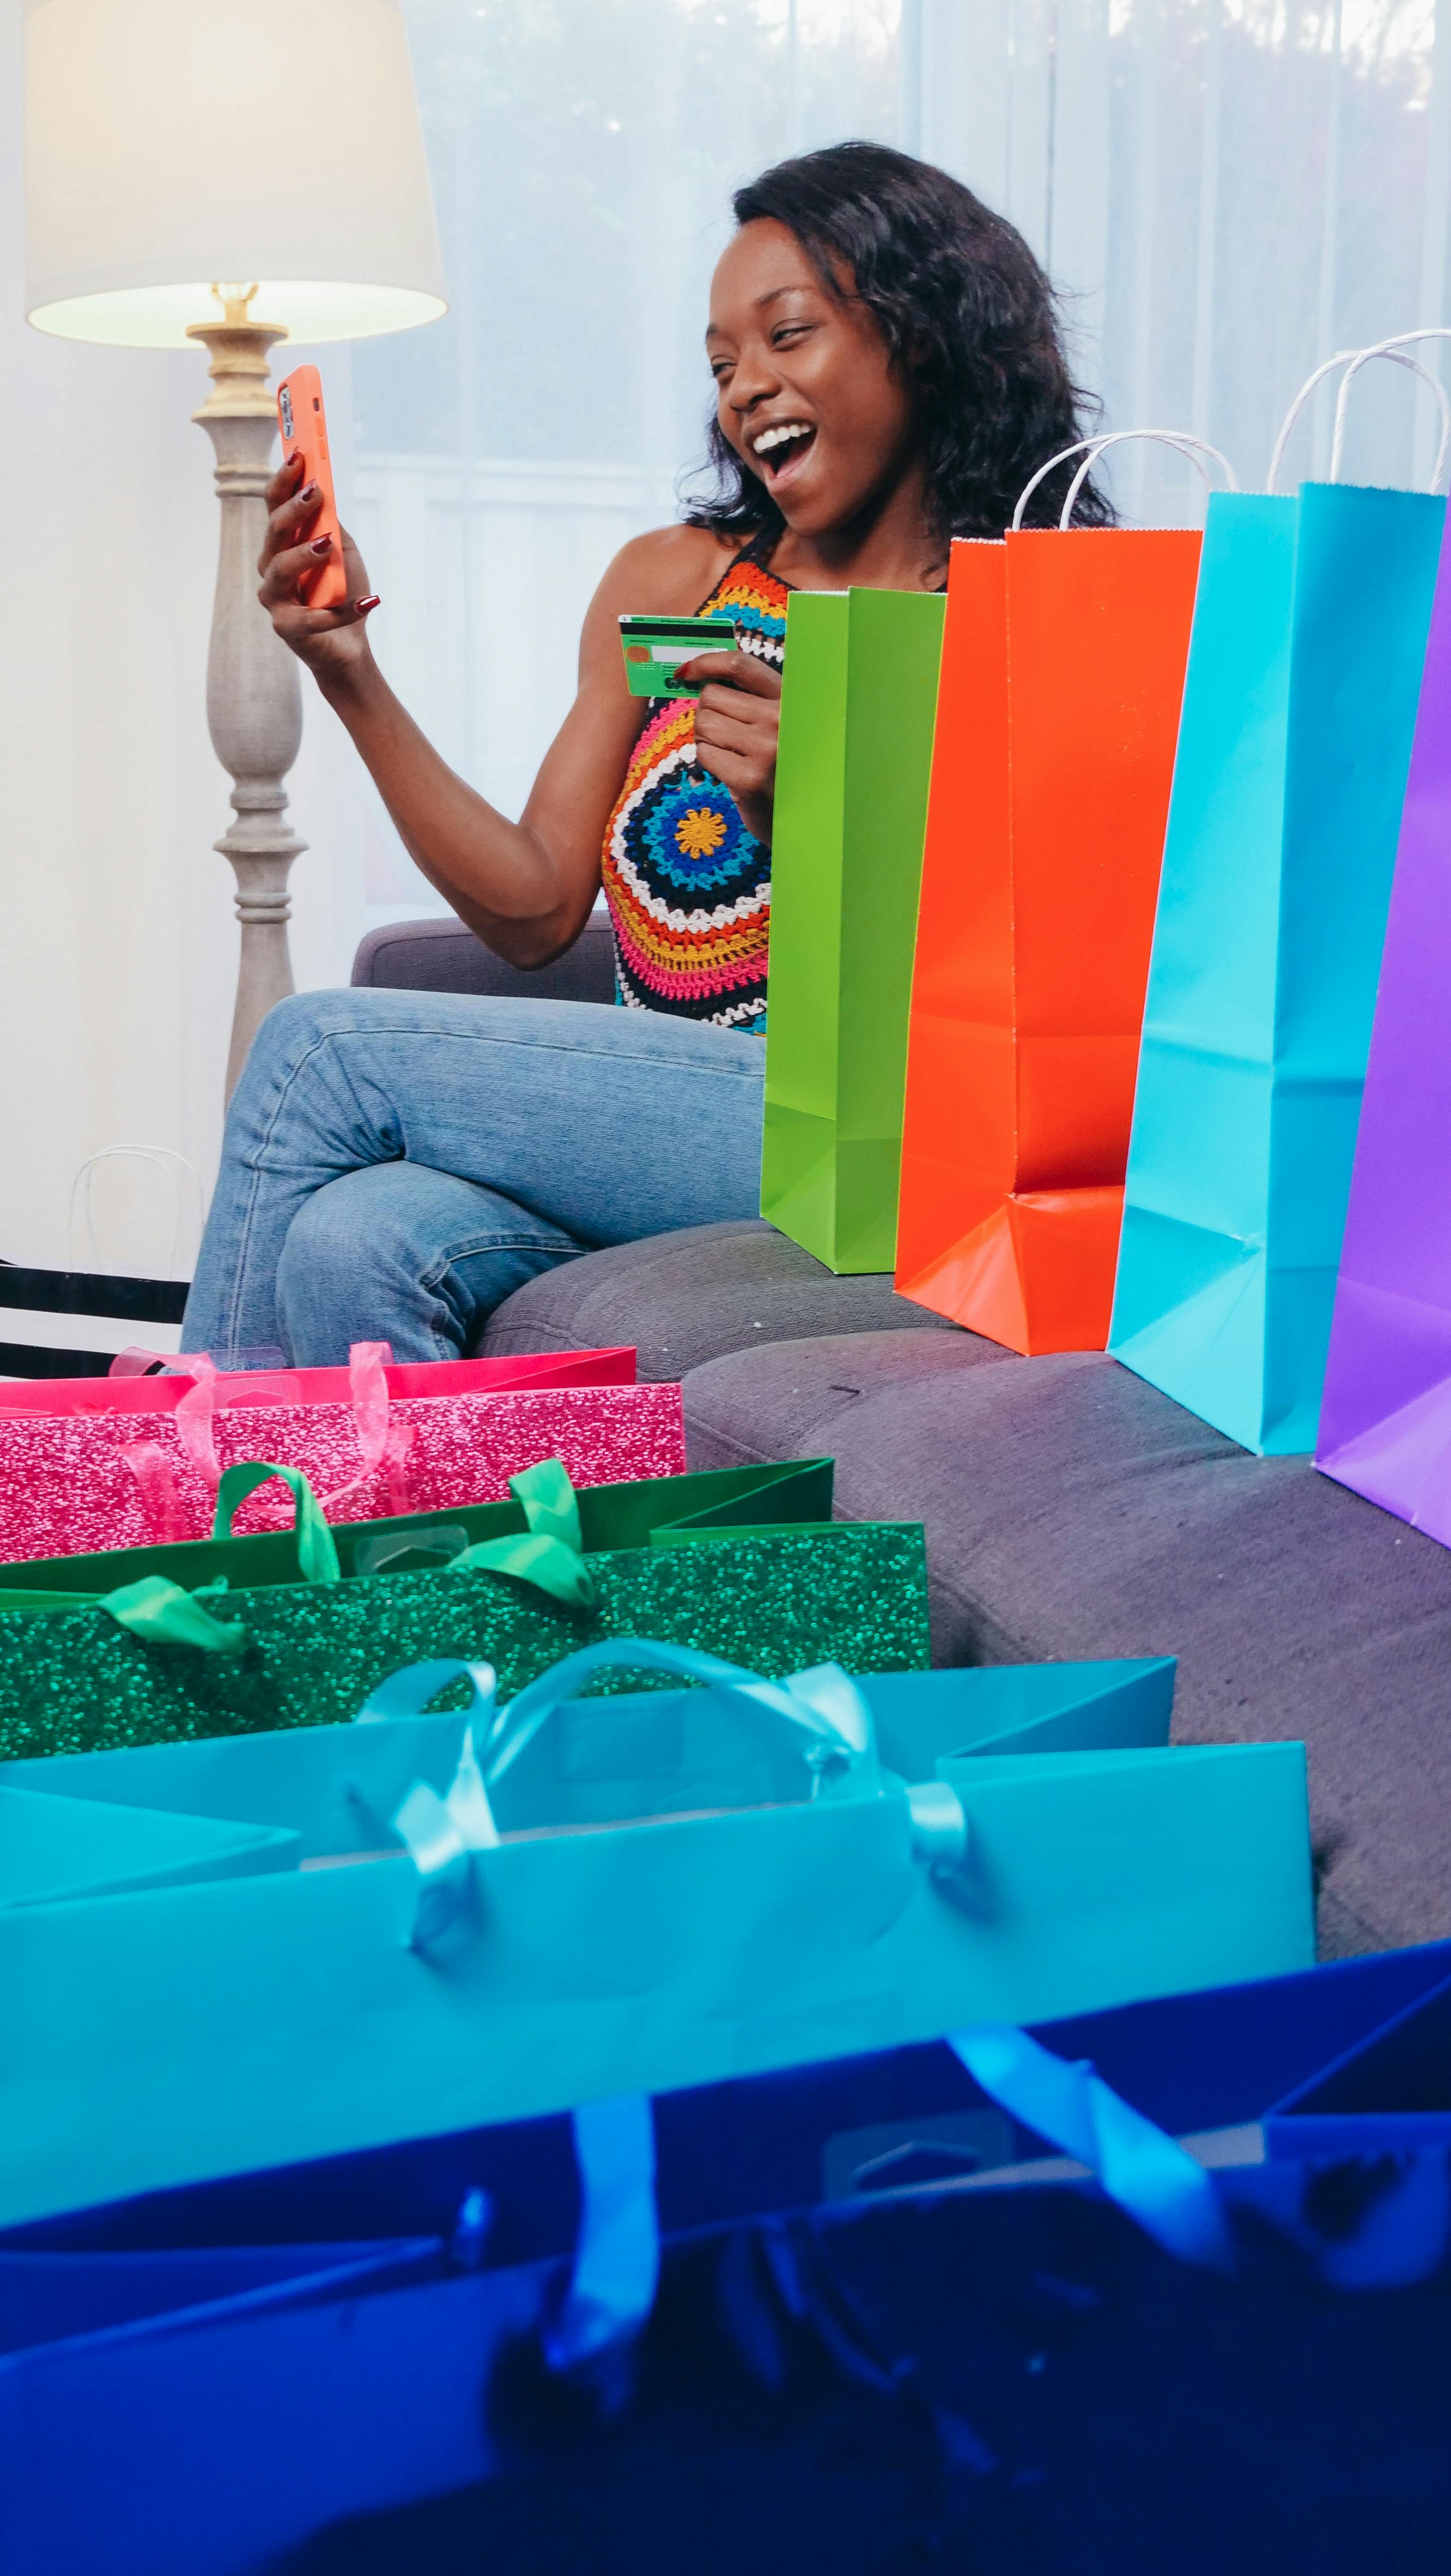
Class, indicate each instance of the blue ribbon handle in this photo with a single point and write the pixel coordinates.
(823, 1707)
(617, 2251)
(828, 1715)
(412, 1690)
(1148, 2173)
(441, 1834)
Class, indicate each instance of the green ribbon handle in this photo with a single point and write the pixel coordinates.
(317, 1556)
(552, 1556)
(161, 1614)
(550, 1503)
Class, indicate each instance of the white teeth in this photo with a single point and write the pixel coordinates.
(779, 436)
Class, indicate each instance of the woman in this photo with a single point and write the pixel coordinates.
(888, 375)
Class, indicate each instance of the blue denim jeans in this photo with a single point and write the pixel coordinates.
(395, 1163)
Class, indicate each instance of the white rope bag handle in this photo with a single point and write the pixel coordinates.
(1353, 360)
(1195, 449)
(81, 1226)
(1394, 348)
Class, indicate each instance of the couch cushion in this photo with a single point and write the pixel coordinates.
(684, 1298)
(1072, 1510)
(441, 955)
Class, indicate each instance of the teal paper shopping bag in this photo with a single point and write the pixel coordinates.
(51, 1847)
(1309, 634)
(515, 1910)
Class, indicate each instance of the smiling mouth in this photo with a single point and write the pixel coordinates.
(783, 444)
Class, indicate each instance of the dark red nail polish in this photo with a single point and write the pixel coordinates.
(363, 605)
(308, 492)
(320, 545)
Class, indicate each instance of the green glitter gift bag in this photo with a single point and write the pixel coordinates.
(737, 1562)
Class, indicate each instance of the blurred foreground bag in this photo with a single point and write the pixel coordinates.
(1387, 2095)
(846, 864)
(1077, 2398)
(1062, 676)
(1299, 709)
(513, 1911)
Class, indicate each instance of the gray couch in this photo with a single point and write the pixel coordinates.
(1071, 1510)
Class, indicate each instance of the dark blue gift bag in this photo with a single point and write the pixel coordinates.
(997, 2384)
(888, 2326)
(1387, 2094)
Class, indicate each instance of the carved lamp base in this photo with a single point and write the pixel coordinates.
(254, 697)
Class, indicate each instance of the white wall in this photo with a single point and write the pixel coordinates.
(113, 940)
(117, 936)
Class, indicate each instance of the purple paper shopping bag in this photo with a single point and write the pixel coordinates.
(1385, 1422)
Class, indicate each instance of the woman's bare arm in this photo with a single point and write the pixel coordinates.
(525, 887)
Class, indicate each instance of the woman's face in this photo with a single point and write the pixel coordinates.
(806, 392)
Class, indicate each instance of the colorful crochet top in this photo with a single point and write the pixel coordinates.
(689, 888)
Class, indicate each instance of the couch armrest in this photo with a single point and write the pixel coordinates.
(443, 957)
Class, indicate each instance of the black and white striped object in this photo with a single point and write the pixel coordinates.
(71, 1323)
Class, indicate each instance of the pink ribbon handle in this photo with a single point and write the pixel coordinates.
(372, 1401)
(195, 1414)
(136, 1362)
(401, 1491)
(382, 1440)
(154, 1469)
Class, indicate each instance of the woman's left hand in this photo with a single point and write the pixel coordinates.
(737, 723)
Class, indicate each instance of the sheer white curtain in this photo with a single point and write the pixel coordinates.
(1226, 190)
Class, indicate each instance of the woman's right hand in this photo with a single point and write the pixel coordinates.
(330, 641)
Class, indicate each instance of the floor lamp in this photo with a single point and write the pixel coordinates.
(234, 172)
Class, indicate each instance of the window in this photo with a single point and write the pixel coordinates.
(1226, 190)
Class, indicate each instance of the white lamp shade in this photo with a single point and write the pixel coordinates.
(174, 144)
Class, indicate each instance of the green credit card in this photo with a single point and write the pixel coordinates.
(654, 648)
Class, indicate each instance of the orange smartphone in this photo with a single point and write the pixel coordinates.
(304, 433)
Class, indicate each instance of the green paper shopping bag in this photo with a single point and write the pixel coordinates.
(684, 1558)
(497, 1946)
(857, 714)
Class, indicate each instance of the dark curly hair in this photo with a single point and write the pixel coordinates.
(966, 312)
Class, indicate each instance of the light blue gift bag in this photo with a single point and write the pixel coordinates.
(1305, 660)
(52, 1848)
(504, 1912)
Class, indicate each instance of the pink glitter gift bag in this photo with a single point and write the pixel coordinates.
(71, 1484)
(128, 1388)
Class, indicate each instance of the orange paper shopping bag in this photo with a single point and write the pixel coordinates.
(1062, 673)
